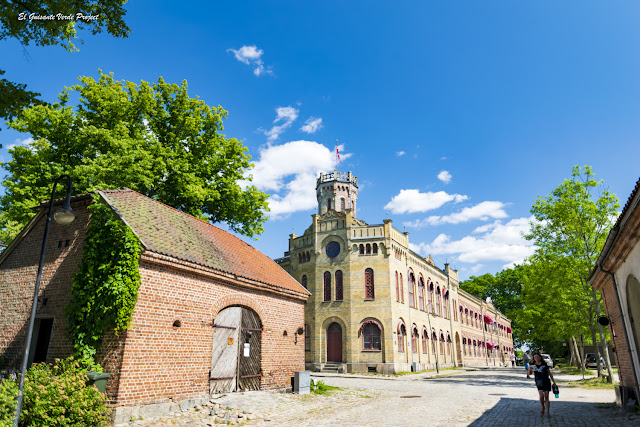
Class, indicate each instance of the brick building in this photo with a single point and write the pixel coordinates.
(377, 306)
(204, 293)
(617, 276)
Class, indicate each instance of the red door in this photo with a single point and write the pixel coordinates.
(334, 343)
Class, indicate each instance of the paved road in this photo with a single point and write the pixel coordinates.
(496, 397)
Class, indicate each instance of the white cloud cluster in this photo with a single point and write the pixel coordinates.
(20, 142)
(312, 125)
(251, 55)
(482, 211)
(401, 153)
(491, 242)
(286, 115)
(411, 201)
(445, 177)
(289, 172)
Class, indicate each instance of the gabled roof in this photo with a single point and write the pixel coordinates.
(168, 231)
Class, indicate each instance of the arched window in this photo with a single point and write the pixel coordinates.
(464, 346)
(397, 288)
(412, 290)
(438, 301)
(339, 293)
(299, 258)
(368, 249)
(421, 293)
(448, 343)
(304, 281)
(327, 286)
(375, 249)
(401, 289)
(369, 292)
(434, 338)
(328, 204)
(308, 256)
(371, 337)
(402, 333)
(307, 338)
(361, 249)
(445, 307)
(425, 337)
(342, 204)
(414, 339)
(433, 309)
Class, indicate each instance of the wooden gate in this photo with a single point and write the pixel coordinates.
(334, 343)
(231, 370)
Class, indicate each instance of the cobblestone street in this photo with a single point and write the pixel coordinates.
(484, 397)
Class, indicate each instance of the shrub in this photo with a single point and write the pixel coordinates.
(322, 388)
(8, 393)
(57, 395)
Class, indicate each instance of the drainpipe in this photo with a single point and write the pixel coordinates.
(624, 324)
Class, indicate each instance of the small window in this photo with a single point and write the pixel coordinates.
(327, 286)
(304, 281)
(371, 337)
(369, 291)
(342, 204)
(361, 249)
(402, 333)
(368, 249)
(375, 248)
(307, 338)
(328, 204)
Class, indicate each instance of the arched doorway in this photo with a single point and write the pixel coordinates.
(458, 349)
(633, 305)
(236, 356)
(334, 343)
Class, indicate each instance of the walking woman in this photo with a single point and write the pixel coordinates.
(543, 377)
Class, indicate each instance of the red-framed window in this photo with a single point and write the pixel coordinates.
(433, 308)
(445, 307)
(414, 340)
(402, 333)
(369, 289)
(327, 286)
(412, 290)
(421, 294)
(401, 289)
(397, 288)
(441, 344)
(371, 337)
(434, 339)
(438, 301)
(339, 287)
(425, 349)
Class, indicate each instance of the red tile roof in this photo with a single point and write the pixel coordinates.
(168, 231)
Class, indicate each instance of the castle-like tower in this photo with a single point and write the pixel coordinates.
(337, 191)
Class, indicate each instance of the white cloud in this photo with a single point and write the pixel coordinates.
(445, 177)
(482, 211)
(411, 201)
(289, 172)
(286, 115)
(20, 142)
(491, 242)
(312, 125)
(251, 55)
(401, 153)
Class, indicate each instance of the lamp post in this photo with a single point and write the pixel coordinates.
(63, 216)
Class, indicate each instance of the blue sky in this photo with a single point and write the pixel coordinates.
(454, 116)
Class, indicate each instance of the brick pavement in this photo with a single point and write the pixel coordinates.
(495, 397)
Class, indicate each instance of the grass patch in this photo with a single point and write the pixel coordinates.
(574, 370)
(322, 388)
(592, 383)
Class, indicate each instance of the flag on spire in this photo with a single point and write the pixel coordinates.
(338, 153)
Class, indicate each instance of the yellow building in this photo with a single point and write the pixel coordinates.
(377, 306)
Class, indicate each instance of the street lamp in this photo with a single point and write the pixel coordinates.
(63, 216)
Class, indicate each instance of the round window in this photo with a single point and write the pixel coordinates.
(333, 249)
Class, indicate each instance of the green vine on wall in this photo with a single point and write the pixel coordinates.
(105, 288)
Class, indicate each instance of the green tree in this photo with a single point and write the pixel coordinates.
(152, 138)
(572, 223)
(109, 16)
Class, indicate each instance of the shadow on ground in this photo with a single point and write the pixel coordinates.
(523, 412)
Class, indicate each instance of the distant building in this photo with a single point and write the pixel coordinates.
(204, 296)
(377, 306)
(617, 276)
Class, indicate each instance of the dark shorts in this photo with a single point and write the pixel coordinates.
(544, 385)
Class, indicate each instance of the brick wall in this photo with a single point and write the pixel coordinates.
(18, 273)
(161, 362)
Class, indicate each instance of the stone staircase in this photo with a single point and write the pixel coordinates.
(332, 368)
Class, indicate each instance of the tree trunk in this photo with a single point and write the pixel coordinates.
(576, 350)
(594, 340)
(603, 339)
(573, 361)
